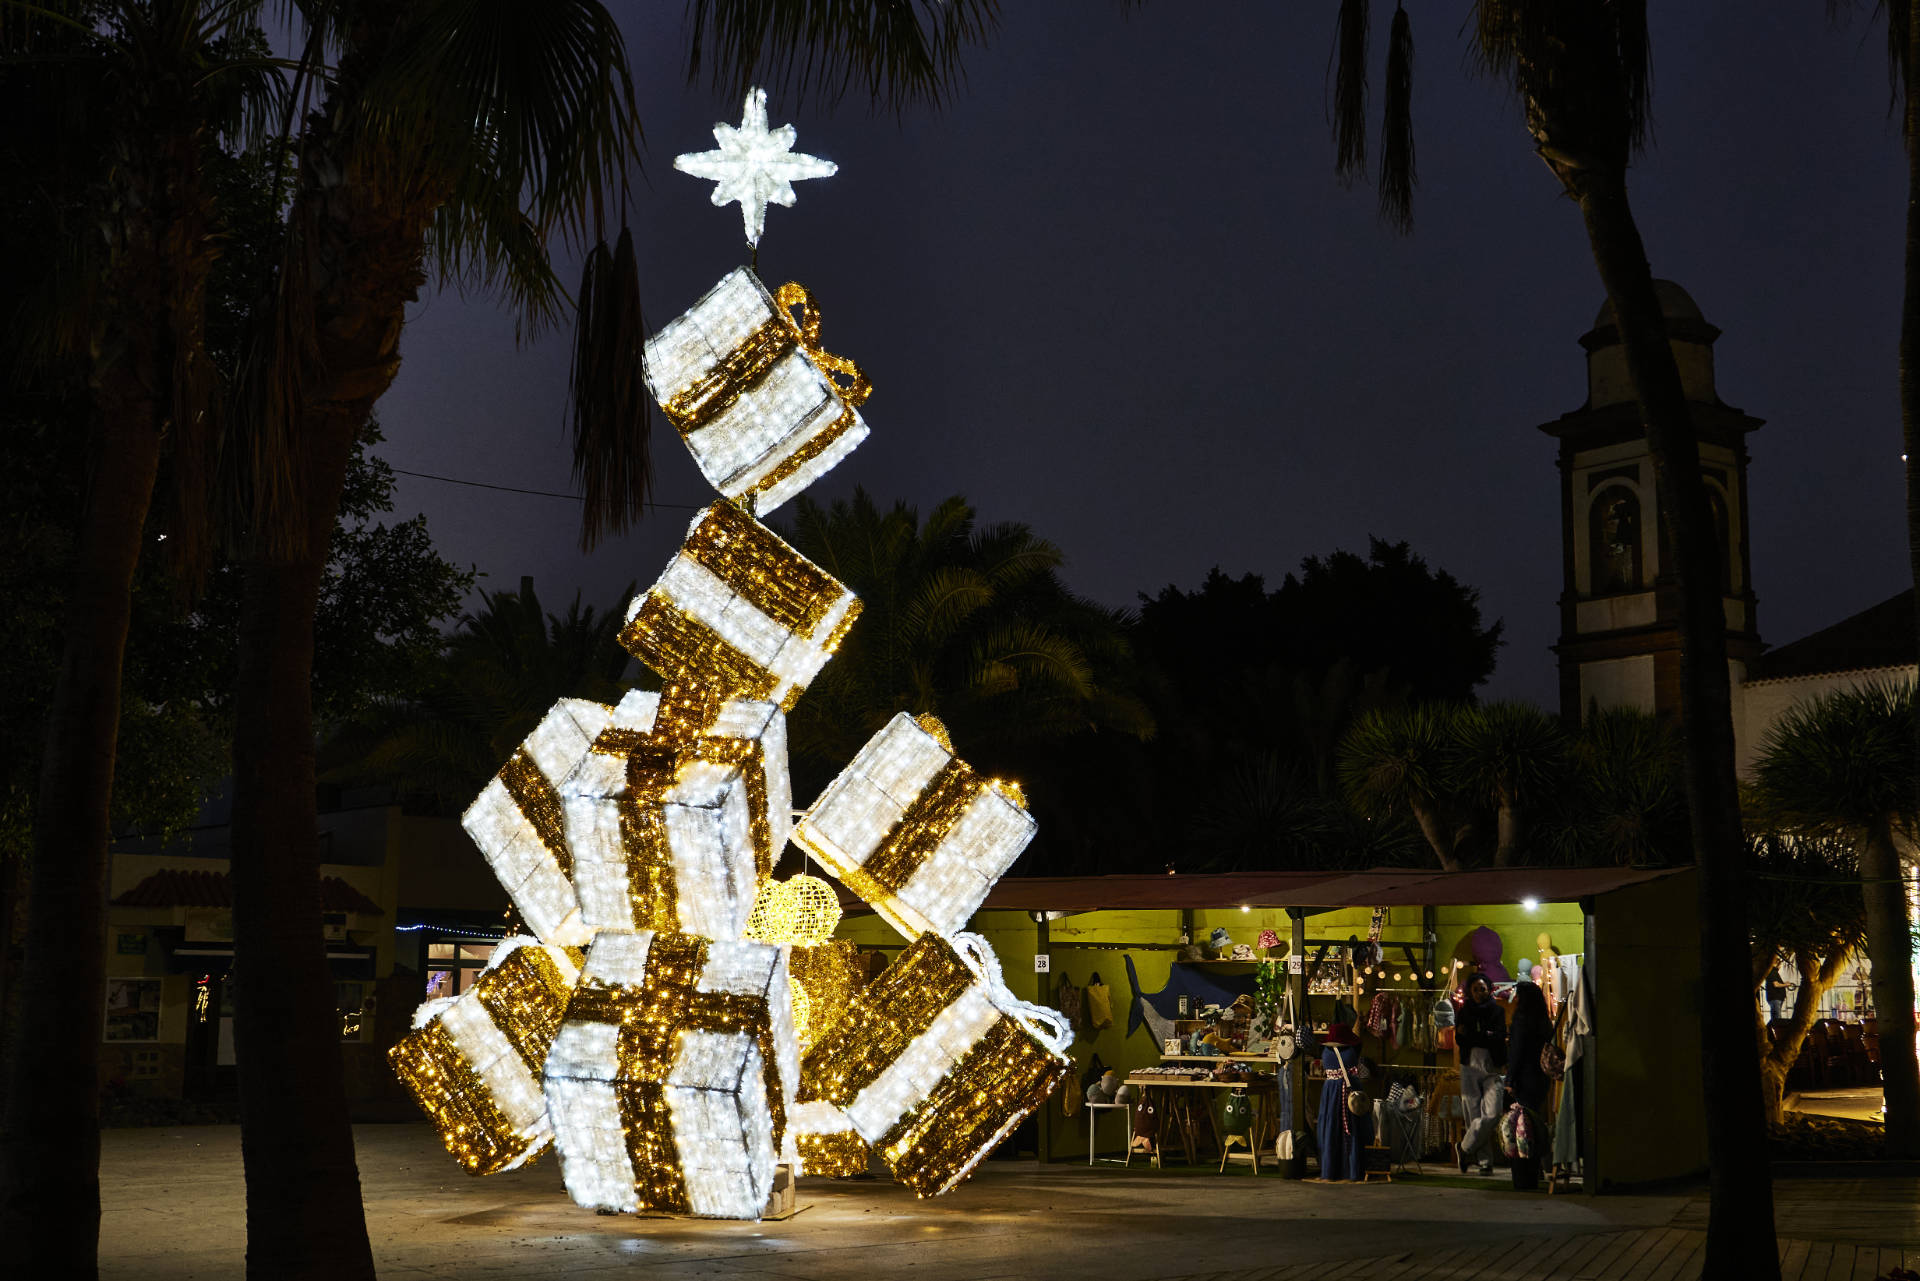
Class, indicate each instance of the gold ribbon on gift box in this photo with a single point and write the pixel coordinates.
(740, 371)
(651, 1018)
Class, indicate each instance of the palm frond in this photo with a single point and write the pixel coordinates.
(943, 601)
(498, 101)
(897, 53)
(610, 405)
(1350, 88)
(1841, 764)
(1398, 173)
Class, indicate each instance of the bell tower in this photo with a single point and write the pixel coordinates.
(1619, 601)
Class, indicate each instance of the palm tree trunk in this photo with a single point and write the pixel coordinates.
(1901, 1130)
(1777, 1060)
(1890, 949)
(1430, 827)
(304, 1218)
(50, 1148)
(356, 240)
(1740, 1235)
(1507, 832)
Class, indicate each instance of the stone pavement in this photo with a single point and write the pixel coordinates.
(174, 1210)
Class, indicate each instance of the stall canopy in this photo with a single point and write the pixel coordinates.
(1377, 887)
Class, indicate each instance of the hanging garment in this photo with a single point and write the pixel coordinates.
(1568, 1123)
(1099, 1003)
(1068, 999)
(1343, 1135)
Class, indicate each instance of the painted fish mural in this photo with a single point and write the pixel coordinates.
(1201, 987)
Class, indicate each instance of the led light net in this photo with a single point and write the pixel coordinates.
(751, 390)
(935, 1062)
(914, 831)
(473, 1062)
(673, 830)
(739, 614)
(669, 1080)
(667, 1069)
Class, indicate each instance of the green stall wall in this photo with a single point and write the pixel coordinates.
(1082, 946)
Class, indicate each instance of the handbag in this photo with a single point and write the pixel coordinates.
(1553, 1059)
(1357, 1103)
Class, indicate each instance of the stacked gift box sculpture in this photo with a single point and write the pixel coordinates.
(682, 1025)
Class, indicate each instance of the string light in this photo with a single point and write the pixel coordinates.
(751, 391)
(653, 1032)
(911, 829)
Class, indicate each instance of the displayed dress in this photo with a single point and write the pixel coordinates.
(1343, 1135)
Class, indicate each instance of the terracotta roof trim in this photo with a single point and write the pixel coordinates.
(198, 887)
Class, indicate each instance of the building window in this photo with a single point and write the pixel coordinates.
(1613, 541)
(453, 968)
(1723, 537)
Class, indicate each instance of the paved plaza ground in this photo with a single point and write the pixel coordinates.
(174, 1209)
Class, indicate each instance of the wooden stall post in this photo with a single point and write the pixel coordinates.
(1296, 1120)
(1043, 984)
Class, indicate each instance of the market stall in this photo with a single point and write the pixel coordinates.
(1179, 984)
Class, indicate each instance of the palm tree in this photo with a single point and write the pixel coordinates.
(1509, 755)
(1398, 760)
(456, 140)
(1841, 767)
(1806, 909)
(1581, 71)
(1903, 62)
(504, 668)
(1627, 805)
(144, 90)
(969, 623)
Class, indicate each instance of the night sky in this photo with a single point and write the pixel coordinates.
(1113, 290)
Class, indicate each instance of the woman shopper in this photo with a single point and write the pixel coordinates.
(1344, 1133)
(1527, 1080)
(1480, 1037)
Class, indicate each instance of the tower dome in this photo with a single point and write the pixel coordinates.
(1687, 328)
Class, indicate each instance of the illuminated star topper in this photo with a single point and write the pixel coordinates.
(754, 165)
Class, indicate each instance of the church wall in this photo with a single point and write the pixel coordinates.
(1761, 704)
(1609, 384)
(1618, 682)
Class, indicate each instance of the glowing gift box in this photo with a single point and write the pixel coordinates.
(519, 820)
(826, 1141)
(751, 391)
(473, 1062)
(675, 833)
(669, 1081)
(739, 614)
(824, 978)
(934, 1061)
(915, 831)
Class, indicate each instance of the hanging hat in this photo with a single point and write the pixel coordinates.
(1340, 1034)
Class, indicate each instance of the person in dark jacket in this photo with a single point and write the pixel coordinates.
(1527, 1081)
(1480, 1036)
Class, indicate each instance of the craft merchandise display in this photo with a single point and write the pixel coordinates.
(681, 1024)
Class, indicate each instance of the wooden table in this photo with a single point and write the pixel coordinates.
(1177, 1117)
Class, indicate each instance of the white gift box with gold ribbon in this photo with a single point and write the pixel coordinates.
(915, 831)
(473, 1061)
(934, 1062)
(519, 820)
(676, 833)
(669, 1082)
(752, 393)
(739, 614)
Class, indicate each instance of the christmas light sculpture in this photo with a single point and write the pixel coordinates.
(653, 1031)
